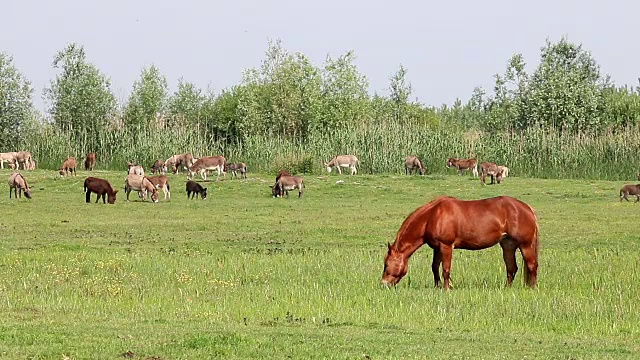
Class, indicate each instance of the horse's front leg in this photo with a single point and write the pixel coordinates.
(435, 266)
(446, 253)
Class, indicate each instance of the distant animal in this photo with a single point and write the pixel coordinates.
(161, 182)
(343, 161)
(505, 171)
(24, 159)
(141, 184)
(159, 167)
(101, 187)
(282, 173)
(9, 157)
(447, 223)
(237, 168)
(135, 169)
(90, 161)
(286, 183)
(181, 160)
(464, 164)
(638, 176)
(196, 189)
(208, 163)
(630, 190)
(491, 169)
(68, 166)
(412, 163)
(18, 184)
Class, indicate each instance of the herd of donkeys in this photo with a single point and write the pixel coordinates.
(149, 186)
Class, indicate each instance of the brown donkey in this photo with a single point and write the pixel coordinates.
(161, 182)
(90, 162)
(101, 187)
(286, 183)
(69, 166)
(412, 163)
(18, 183)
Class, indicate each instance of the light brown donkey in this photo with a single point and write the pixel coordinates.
(69, 166)
(286, 183)
(345, 161)
(18, 183)
(412, 163)
(161, 182)
(208, 163)
(141, 184)
(9, 157)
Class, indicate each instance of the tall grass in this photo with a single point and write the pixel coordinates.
(381, 149)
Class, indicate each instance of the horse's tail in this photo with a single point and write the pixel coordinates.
(536, 247)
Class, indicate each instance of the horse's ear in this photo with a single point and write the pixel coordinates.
(389, 247)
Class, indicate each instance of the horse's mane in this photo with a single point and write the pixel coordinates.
(26, 185)
(416, 213)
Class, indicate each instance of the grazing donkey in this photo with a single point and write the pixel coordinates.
(69, 166)
(286, 183)
(25, 159)
(90, 161)
(630, 190)
(205, 164)
(9, 157)
(412, 163)
(235, 168)
(491, 169)
(196, 189)
(135, 169)
(505, 171)
(159, 166)
(282, 173)
(345, 161)
(464, 164)
(176, 161)
(161, 182)
(141, 184)
(101, 187)
(18, 183)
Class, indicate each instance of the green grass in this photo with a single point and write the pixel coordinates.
(242, 275)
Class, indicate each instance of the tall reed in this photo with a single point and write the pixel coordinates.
(544, 153)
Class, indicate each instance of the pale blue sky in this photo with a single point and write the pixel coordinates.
(448, 47)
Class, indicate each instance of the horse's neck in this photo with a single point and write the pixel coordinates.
(408, 243)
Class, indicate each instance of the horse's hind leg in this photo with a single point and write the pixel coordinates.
(88, 197)
(435, 266)
(509, 254)
(446, 253)
(530, 257)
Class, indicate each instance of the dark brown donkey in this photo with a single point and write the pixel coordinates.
(286, 183)
(90, 161)
(18, 183)
(196, 189)
(491, 169)
(447, 223)
(412, 163)
(101, 187)
(69, 166)
(630, 190)
(237, 168)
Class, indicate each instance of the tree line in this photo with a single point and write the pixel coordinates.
(290, 98)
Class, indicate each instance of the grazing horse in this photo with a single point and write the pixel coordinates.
(412, 163)
(101, 187)
(69, 167)
(18, 183)
(464, 164)
(345, 161)
(90, 161)
(447, 223)
(630, 190)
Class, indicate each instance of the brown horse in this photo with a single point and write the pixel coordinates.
(447, 223)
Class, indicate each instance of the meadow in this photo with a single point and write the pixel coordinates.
(243, 275)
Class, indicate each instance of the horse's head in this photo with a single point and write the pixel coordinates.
(154, 195)
(395, 267)
(329, 166)
(275, 190)
(61, 172)
(422, 170)
(203, 195)
(111, 198)
(450, 162)
(27, 193)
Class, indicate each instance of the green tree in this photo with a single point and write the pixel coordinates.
(16, 107)
(565, 89)
(80, 98)
(148, 99)
(399, 92)
(185, 106)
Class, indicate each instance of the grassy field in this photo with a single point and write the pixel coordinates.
(242, 275)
